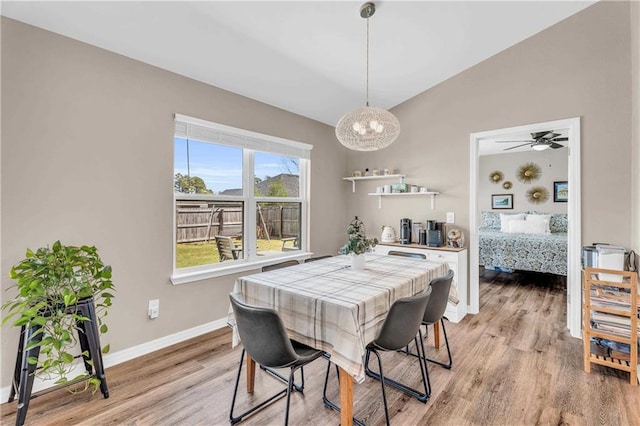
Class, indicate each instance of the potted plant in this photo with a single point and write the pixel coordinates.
(50, 283)
(358, 243)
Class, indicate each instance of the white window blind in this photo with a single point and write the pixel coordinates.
(206, 131)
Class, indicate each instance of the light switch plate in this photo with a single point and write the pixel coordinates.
(450, 217)
(154, 308)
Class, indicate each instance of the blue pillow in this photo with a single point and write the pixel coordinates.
(559, 221)
(491, 220)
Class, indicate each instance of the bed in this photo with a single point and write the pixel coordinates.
(502, 247)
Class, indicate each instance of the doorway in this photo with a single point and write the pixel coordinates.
(574, 289)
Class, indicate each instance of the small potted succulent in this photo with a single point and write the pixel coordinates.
(51, 281)
(358, 244)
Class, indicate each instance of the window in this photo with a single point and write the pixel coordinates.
(240, 199)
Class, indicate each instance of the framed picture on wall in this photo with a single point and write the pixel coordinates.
(560, 192)
(502, 201)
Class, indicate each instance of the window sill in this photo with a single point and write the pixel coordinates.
(188, 275)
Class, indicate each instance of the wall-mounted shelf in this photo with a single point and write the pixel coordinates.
(353, 179)
(405, 194)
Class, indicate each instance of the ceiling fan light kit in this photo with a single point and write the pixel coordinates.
(367, 128)
(540, 146)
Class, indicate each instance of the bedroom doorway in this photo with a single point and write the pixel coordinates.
(571, 128)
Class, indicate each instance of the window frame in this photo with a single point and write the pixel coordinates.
(251, 260)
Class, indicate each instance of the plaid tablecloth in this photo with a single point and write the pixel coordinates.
(327, 305)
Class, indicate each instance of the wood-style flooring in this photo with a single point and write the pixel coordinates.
(514, 364)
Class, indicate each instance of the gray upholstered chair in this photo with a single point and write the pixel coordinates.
(313, 259)
(434, 312)
(400, 327)
(280, 265)
(265, 339)
(405, 254)
(271, 371)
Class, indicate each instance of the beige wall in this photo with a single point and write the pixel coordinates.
(577, 68)
(87, 157)
(553, 165)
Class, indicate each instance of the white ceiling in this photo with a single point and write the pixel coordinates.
(305, 57)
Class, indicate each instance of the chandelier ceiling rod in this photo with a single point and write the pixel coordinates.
(370, 10)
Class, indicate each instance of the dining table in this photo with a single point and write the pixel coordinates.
(328, 305)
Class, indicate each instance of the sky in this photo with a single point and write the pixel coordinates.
(221, 166)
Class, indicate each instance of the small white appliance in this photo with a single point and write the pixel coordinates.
(610, 257)
(388, 234)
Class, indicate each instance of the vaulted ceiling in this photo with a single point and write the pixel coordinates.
(307, 57)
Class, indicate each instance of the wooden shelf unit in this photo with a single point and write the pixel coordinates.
(618, 301)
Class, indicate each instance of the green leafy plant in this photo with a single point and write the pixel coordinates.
(50, 283)
(358, 242)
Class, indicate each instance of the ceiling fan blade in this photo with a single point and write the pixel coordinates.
(555, 145)
(539, 135)
(559, 139)
(527, 141)
(517, 146)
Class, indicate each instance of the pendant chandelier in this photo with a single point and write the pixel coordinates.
(367, 128)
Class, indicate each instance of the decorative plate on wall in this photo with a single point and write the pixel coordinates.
(537, 195)
(507, 185)
(496, 176)
(529, 172)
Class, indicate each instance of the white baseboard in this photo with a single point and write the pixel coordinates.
(130, 353)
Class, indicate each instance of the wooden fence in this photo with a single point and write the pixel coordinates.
(203, 220)
(280, 221)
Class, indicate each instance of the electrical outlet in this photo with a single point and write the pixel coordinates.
(154, 308)
(450, 217)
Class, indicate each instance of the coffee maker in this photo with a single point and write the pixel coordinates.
(405, 231)
(435, 233)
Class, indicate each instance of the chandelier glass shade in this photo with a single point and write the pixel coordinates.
(367, 128)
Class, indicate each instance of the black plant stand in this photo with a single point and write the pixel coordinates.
(89, 343)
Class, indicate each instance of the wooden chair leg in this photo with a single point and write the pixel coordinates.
(436, 335)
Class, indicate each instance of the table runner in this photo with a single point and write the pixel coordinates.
(327, 305)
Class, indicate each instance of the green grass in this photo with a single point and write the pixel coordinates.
(197, 254)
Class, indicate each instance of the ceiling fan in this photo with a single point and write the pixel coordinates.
(540, 141)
